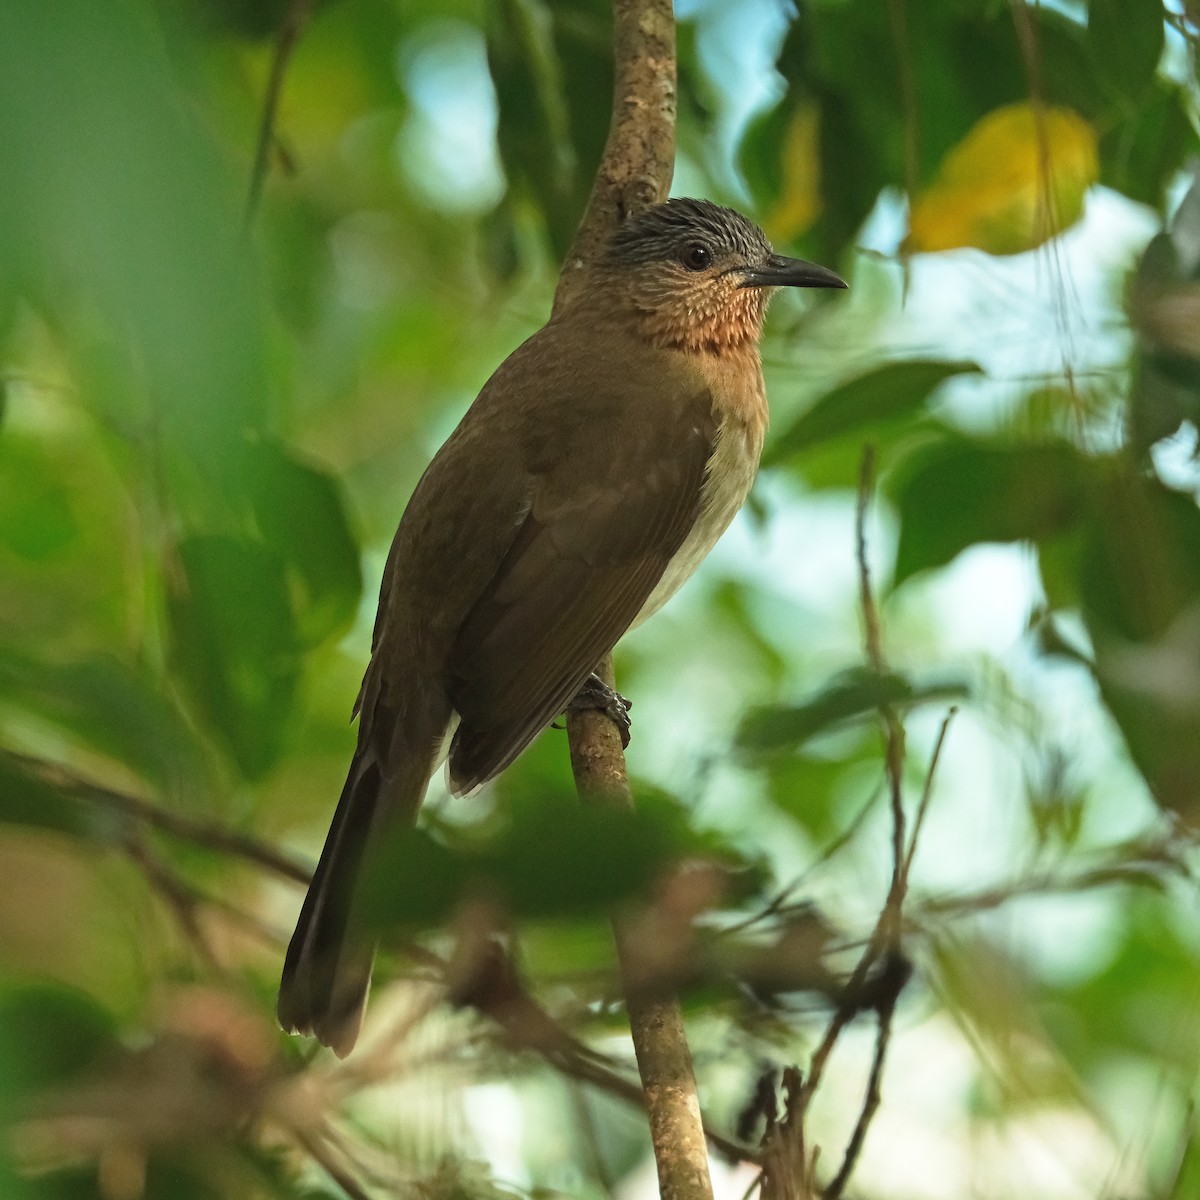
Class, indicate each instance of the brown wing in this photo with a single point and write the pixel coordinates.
(606, 519)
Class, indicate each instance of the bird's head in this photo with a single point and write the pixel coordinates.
(698, 276)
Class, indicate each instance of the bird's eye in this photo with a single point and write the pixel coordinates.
(697, 256)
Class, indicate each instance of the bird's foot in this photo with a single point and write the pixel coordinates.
(596, 695)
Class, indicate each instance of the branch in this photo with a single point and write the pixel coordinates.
(289, 33)
(314, 1144)
(873, 646)
(635, 172)
(176, 825)
(870, 1103)
(639, 156)
(1132, 872)
(884, 941)
(664, 1061)
(788, 1165)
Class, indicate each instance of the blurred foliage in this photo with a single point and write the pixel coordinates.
(993, 190)
(210, 421)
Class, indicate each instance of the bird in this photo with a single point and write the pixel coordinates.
(595, 470)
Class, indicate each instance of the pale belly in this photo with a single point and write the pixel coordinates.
(730, 474)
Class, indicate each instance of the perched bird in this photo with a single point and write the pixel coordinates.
(593, 473)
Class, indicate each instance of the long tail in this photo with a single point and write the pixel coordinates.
(327, 971)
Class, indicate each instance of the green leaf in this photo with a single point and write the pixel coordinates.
(235, 644)
(38, 520)
(554, 858)
(1141, 567)
(814, 791)
(1069, 71)
(1125, 40)
(1149, 966)
(244, 18)
(850, 696)
(119, 710)
(27, 800)
(136, 249)
(1140, 586)
(1141, 153)
(415, 879)
(300, 515)
(960, 492)
(1164, 392)
(885, 393)
(49, 1034)
(535, 121)
(562, 859)
(760, 155)
(583, 45)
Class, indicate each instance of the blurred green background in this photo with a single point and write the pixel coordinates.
(211, 419)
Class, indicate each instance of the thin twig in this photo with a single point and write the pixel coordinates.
(587, 1123)
(1111, 875)
(187, 829)
(871, 1102)
(898, 19)
(314, 1146)
(294, 21)
(873, 648)
(178, 896)
(779, 902)
(885, 938)
(887, 925)
(927, 791)
(843, 839)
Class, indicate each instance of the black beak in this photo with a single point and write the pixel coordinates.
(778, 271)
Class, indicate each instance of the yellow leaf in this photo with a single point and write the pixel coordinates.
(799, 201)
(1017, 179)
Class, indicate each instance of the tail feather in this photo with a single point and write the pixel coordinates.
(327, 971)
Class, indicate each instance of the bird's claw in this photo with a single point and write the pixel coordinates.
(595, 695)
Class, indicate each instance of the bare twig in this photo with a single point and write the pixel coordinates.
(178, 896)
(779, 903)
(1124, 872)
(176, 825)
(927, 791)
(898, 19)
(294, 21)
(315, 1146)
(884, 941)
(887, 927)
(870, 1102)
(585, 1121)
(873, 647)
